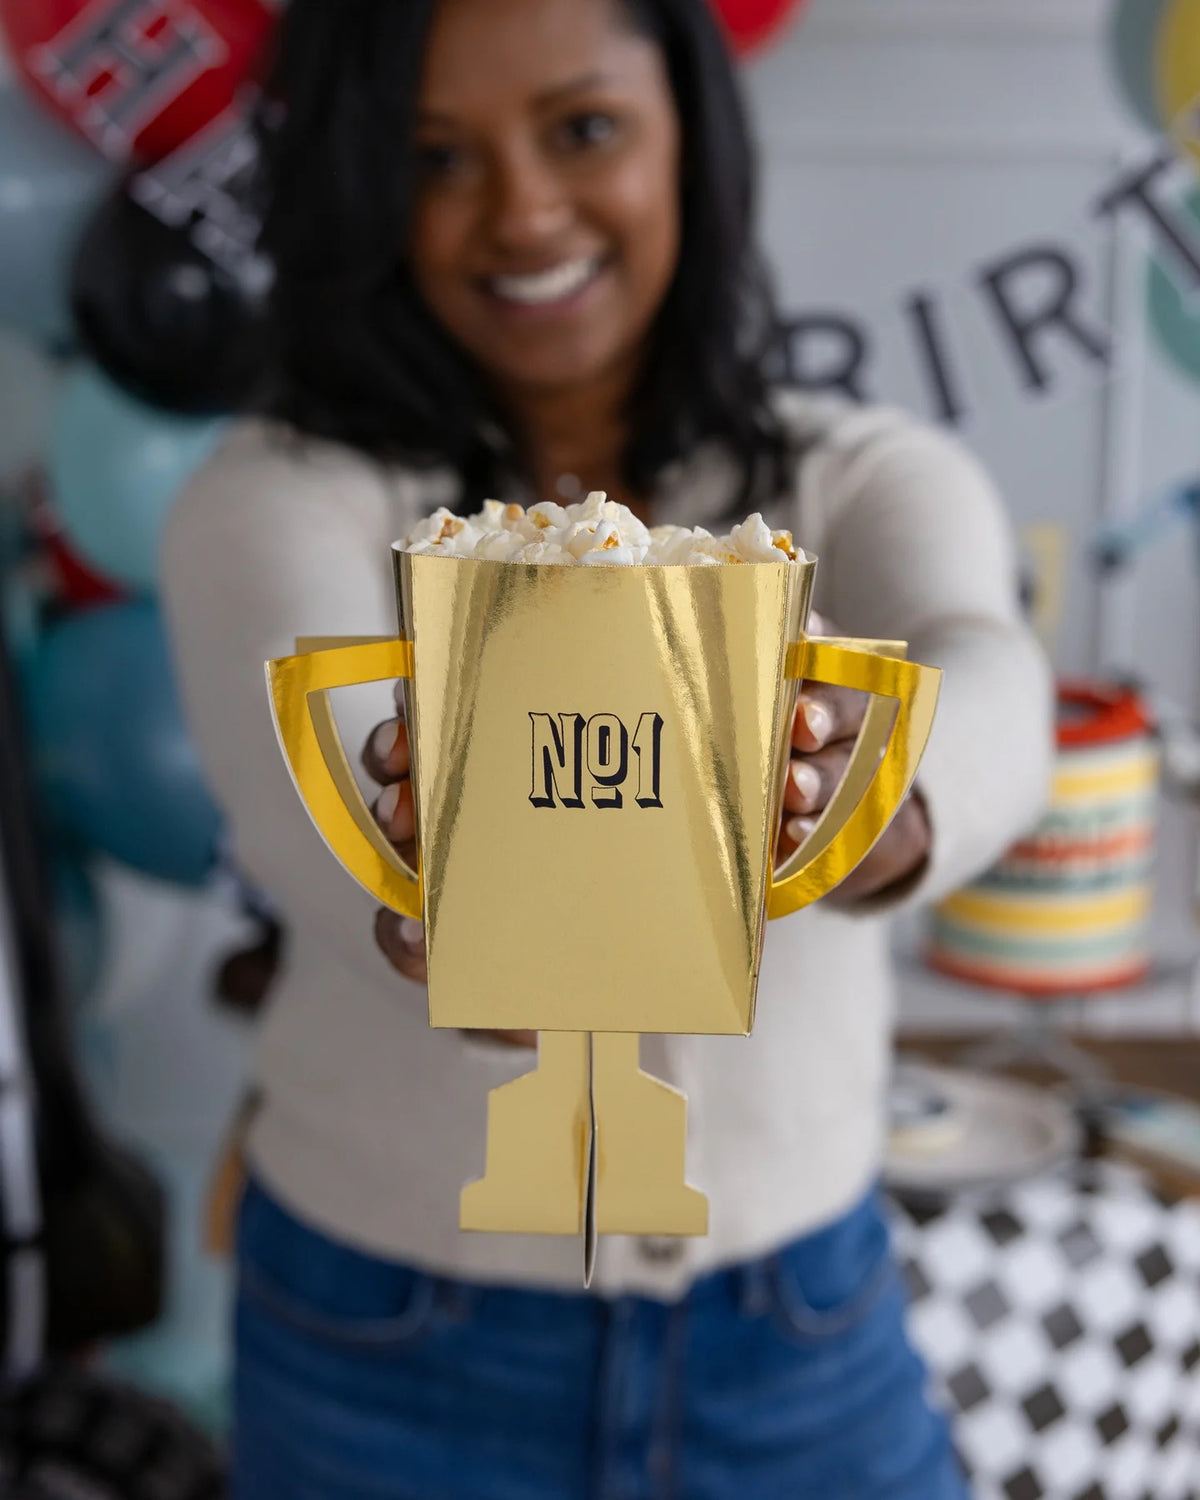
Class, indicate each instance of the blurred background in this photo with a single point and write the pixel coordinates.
(987, 211)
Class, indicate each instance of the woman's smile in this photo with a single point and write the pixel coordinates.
(556, 289)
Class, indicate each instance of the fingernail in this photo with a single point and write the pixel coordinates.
(806, 780)
(385, 739)
(798, 829)
(412, 932)
(817, 718)
(385, 807)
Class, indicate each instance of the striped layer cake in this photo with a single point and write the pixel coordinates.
(1067, 909)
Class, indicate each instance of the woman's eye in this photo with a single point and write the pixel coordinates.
(437, 161)
(589, 128)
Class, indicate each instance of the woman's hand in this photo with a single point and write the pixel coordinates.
(823, 733)
(402, 940)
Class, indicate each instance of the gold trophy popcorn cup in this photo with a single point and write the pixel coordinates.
(598, 757)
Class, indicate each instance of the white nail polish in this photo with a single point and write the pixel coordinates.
(412, 932)
(798, 829)
(817, 718)
(806, 780)
(385, 739)
(385, 807)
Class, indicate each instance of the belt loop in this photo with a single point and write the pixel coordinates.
(753, 1288)
(456, 1299)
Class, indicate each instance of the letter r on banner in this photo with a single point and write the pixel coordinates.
(118, 63)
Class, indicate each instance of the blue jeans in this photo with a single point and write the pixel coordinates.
(779, 1379)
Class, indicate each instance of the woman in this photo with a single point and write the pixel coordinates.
(514, 258)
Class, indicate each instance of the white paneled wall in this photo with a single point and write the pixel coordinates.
(909, 146)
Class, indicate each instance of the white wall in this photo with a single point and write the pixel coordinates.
(907, 142)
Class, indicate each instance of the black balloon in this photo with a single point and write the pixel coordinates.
(163, 318)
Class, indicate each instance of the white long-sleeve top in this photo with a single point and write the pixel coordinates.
(371, 1122)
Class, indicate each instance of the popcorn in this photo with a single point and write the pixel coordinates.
(594, 532)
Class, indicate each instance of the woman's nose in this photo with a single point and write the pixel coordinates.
(529, 203)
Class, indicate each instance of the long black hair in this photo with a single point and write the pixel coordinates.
(358, 357)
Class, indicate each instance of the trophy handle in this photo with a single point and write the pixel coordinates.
(300, 687)
(881, 770)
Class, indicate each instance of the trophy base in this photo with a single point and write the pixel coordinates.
(586, 1144)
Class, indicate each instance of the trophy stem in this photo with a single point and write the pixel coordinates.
(641, 1141)
(586, 1144)
(539, 1142)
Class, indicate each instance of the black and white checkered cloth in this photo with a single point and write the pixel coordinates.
(1061, 1320)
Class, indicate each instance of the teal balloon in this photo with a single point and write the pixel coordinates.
(115, 467)
(1173, 310)
(20, 613)
(28, 390)
(1132, 37)
(113, 761)
(78, 926)
(50, 181)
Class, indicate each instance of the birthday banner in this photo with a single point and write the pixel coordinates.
(1036, 296)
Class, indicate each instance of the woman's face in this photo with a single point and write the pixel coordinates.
(547, 217)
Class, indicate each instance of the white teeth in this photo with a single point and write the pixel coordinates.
(547, 286)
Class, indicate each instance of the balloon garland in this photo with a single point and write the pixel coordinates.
(136, 78)
(751, 24)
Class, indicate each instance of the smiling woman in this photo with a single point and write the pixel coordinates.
(546, 233)
(551, 237)
(515, 262)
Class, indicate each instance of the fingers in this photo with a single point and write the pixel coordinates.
(792, 833)
(900, 852)
(402, 942)
(812, 779)
(385, 755)
(394, 811)
(826, 714)
(509, 1038)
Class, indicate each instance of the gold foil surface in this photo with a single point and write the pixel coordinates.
(596, 756)
(598, 763)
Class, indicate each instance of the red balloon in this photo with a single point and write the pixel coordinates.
(77, 583)
(74, 581)
(750, 24)
(137, 78)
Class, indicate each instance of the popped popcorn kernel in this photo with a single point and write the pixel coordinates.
(783, 540)
(593, 532)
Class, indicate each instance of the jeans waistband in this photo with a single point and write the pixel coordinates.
(823, 1262)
